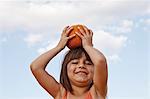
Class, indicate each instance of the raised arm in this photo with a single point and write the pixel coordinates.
(38, 65)
(99, 61)
(100, 70)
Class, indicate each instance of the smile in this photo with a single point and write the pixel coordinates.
(81, 72)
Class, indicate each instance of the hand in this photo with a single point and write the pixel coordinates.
(64, 37)
(86, 36)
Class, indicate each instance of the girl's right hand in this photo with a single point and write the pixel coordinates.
(64, 37)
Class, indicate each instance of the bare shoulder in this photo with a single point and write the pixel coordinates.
(95, 94)
(61, 93)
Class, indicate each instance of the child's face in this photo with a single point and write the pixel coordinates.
(80, 71)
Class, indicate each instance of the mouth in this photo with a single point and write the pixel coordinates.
(81, 72)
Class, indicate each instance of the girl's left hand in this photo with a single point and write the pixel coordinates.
(86, 36)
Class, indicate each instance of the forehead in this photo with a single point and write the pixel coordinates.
(76, 54)
(82, 56)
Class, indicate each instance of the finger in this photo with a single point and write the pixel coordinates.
(71, 36)
(69, 30)
(86, 30)
(64, 30)
(81, 31)
(91, 32)
(81, 36)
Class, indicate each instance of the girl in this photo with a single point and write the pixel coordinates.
(84, 70)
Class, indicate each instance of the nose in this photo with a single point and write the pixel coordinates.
(81, 66)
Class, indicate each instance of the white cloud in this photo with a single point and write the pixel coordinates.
(41, 15)
(32, 98)
(127, 98)
(35, 98)
(48, 47)
(146, 25)
(148, 9)
(114, 58)
(143, 23)
(49, 17)
(105, 40)
(32, 39)
(4, 39)
(110, 44)
(125, 26)
(147, 22)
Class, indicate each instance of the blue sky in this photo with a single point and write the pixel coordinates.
(121, 31)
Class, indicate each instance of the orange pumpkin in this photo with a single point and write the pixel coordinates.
(75, 41)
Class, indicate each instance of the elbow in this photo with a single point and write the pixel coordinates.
(33, 67)
(36, 67)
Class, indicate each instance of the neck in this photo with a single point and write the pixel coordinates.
(78, 91)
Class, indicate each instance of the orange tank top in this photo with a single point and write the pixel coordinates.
(88, 96)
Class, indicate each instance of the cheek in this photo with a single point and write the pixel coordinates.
(70, 69)
(91, 69)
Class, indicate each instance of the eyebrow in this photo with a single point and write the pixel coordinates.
(75, 59)
(79, 58)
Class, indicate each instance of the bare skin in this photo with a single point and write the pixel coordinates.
(96, 71)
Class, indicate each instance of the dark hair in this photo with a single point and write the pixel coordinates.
(70, 55)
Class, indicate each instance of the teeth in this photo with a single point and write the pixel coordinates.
(81, 72)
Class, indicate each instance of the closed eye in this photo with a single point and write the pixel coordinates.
(88, 63)
(74, 62)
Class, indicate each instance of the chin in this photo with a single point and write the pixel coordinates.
(82, 77)
(83, 82)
